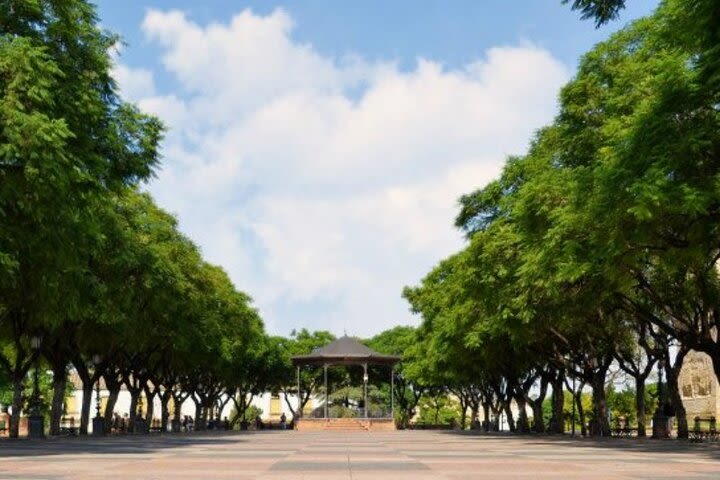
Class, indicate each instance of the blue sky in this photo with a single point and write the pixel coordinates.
(452, 32)
(316, 149)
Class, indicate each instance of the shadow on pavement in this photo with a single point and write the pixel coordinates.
(642, 445)
(115, 444)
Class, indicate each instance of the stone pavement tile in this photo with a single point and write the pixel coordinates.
(307, 476)
(377, 475)
(358, 456)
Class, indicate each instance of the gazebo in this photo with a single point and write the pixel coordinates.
(346, 351)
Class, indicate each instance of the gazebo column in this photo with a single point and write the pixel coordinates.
(299, 397)
(327, 397)
(392, 392)
(365, 382)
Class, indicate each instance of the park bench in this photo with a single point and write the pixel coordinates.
(704, 428)
(623, 432)
(67, 426)
(622, 429)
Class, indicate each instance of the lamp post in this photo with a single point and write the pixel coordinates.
(365, 383)
(140, 425)
(327, 397)
(36, 422)
(98, 422)
(660, 421)
(392, 392)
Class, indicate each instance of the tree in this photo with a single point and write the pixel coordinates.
(401, 341)
(66, 140)
(602, 11)
(302, 343)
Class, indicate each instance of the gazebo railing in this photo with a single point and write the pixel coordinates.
(359, 413)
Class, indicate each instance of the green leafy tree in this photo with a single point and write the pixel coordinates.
(401, 341)
(302, 342)
(66, 140)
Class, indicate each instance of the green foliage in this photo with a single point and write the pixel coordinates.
(439, 409)
(602, 235)
(252, 413)
(602, 11)
(45, 382)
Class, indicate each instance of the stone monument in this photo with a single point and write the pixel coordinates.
(699, 387)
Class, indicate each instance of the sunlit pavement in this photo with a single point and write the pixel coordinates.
(403, 455)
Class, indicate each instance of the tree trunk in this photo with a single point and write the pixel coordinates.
(242, 402)
(600, 420)
(496, 409)
(672, 371)
(17, 401)
(134, 394)
(113, 388)
(510, 416)
(463, 410)
(640, 405)
(581, 413)
(206, 411)
(198, 414)
(164, 409)
(486, 414)
(87, 389)
(177, 411)
(220, 406)
(150, 400)
(59, 383)
(537, 406)
(557, 423)
(538, 420)
(523, 426)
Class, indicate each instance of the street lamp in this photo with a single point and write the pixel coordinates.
(98, 422)
(660, 420)
(36, 422)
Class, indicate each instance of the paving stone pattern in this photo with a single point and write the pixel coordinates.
(404, 455)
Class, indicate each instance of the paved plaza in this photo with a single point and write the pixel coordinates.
(415, 455)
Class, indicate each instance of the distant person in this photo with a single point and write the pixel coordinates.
(283, 422)
(191, 423)
(258, 423)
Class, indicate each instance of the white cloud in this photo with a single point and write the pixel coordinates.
(135, 83)
(324, 185)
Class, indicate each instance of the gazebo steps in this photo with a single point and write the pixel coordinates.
(345, 424)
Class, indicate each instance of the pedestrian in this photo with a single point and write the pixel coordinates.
(283, 422)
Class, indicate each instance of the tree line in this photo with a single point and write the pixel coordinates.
(90, 267)
(599, 247)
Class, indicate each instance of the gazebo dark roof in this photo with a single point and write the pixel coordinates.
(345, 351)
